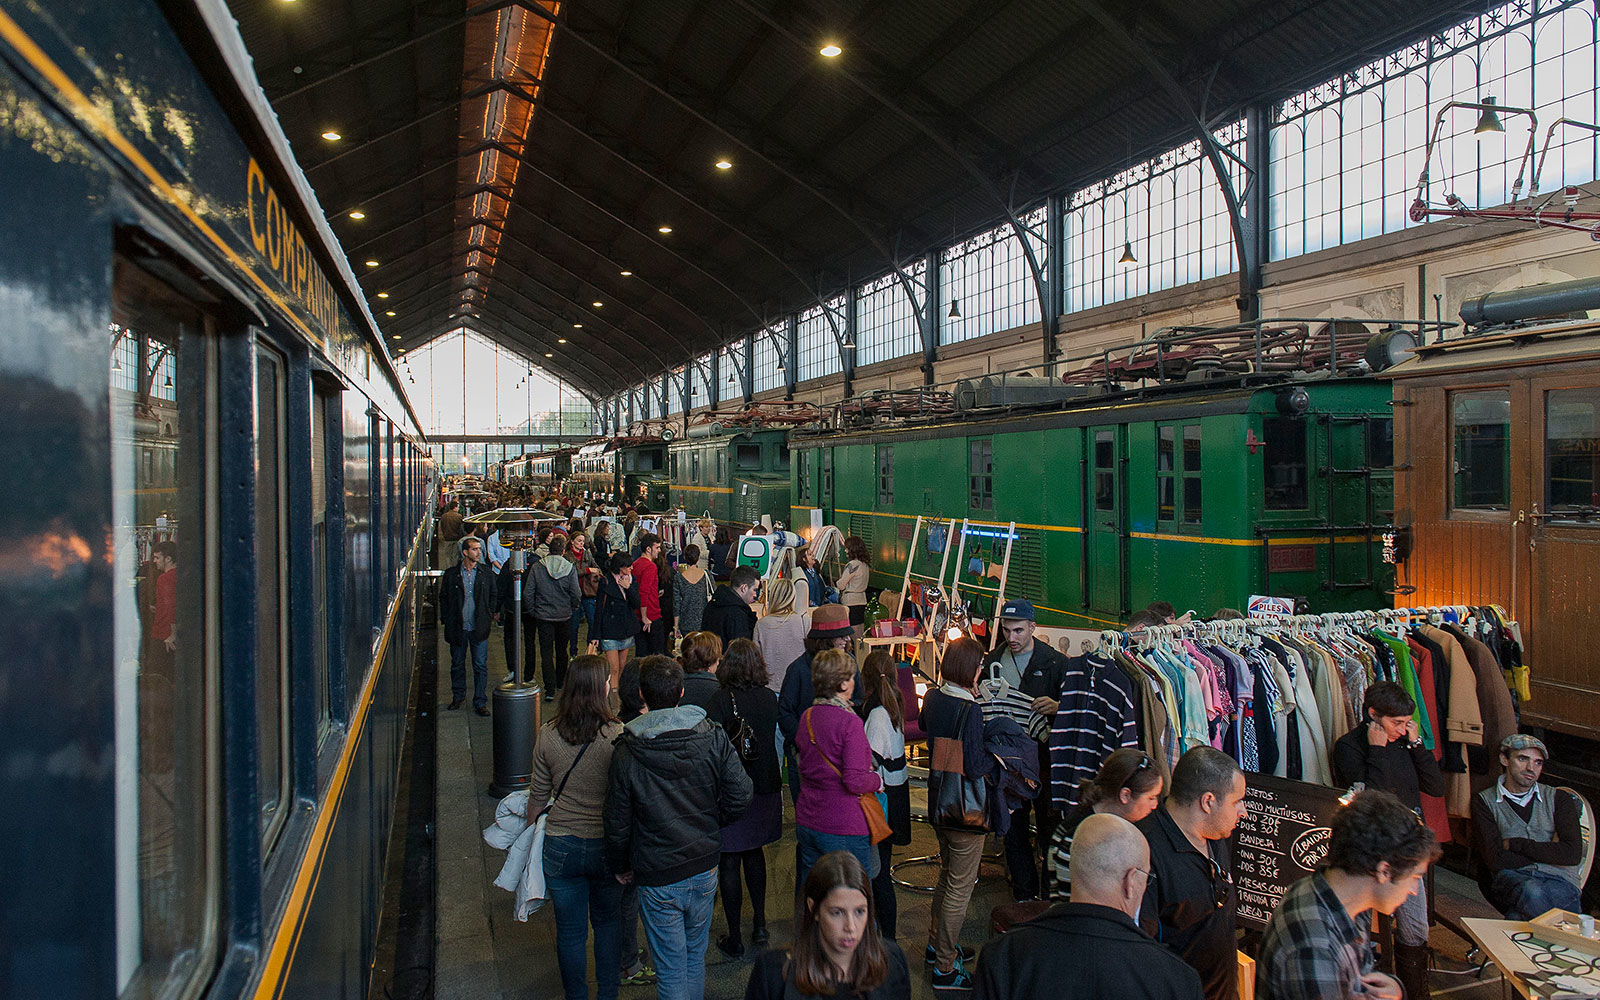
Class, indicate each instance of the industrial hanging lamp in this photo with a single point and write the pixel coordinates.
(955, 309)
(1489, 121)
(1127, 254)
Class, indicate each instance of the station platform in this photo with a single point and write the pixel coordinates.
(484, 954)
(481, 953)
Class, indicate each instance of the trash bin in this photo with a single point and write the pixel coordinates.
(516, 727)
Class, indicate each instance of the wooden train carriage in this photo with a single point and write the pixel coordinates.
(1200, 498)
(1498, 441)
(733, 474)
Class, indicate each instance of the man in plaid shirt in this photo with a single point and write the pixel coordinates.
(1315, 947)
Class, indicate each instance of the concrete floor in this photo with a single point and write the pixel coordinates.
(484, 954)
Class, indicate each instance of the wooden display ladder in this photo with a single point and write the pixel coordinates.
(999, 592)
(952, 588)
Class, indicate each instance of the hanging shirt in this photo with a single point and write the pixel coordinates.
(1096, 717)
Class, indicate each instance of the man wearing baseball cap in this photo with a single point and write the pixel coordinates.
(1528, 835)
(1036, 671)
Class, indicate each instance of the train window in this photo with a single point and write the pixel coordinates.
(886, 474)
(1191, 474)
(321, 652)
(1166, 474)
(722, 464)
(1105, 481)
(827, 477)
(1284, 462)
(694, 467)
(980, 474)
(272, 698)
(1480, 438)
(783, 456)
(165, 688)
(1380, 442)
(749, 456)
(1572, 453)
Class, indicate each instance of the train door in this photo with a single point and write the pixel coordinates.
(1563, 539)
(825, 486)
(1107, 527)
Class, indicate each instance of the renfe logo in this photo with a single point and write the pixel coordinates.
(1310, 848)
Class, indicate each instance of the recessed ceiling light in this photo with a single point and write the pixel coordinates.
(383, 295)
(549, 355)
(577, 326)
(830, 50)
(627, 274)
(663, 230)
(372, 263)
(598, 303)
(332, 136)
(389, 313)
(561, 340)
(724, 164)
(394, 336)
(357, 214)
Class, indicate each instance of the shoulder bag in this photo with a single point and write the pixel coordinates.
(741, 735)
(955, 801)
(877, 823)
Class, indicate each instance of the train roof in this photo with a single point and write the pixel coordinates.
(1509, 348)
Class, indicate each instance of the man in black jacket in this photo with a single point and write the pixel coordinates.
(1384, 752)
(729, 614)
(1033, 674)
(675, 782)
(1090, 947)
(467, 606)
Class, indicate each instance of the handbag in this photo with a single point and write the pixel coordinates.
(955, 801)
(877, 823)
(743, 737)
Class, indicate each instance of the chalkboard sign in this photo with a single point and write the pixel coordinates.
(1281, 840)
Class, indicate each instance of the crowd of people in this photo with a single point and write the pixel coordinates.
(676, 731)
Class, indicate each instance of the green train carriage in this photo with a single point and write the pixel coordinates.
(626, 469)
(1201, 495)
(734, 474)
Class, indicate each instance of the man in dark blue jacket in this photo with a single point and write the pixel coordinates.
(467, 606)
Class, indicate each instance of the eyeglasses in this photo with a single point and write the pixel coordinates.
(1220, 891)
(1149, 873)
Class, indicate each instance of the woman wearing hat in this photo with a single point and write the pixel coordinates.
(830, 629)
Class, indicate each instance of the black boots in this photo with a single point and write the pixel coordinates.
(1411, 968)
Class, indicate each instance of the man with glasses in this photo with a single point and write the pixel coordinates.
(1190, 905)
(1315, 946)
(1090, 947)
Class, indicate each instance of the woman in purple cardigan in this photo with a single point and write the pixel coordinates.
(835, 767)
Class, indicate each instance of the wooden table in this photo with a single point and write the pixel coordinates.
(1493, 938)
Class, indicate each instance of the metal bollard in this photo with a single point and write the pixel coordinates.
(516, 727)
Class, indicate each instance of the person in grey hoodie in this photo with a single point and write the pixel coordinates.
(550, 599)
(675, 782)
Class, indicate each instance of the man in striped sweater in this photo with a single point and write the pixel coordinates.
(1036, 671)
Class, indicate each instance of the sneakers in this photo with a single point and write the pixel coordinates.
(957, 979)
(644, 977)
(963, 955)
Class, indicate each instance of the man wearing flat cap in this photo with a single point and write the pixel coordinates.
(1528, 835)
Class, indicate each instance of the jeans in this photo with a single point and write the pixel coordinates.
(1524, 893)
(552, 653)
(584, 894)
(813, 844)
(883, 897)
(583, 612)
(1022, 863)
(628, 934)
(480, 671)
(677, 923)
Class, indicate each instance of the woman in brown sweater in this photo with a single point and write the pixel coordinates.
(571, 763)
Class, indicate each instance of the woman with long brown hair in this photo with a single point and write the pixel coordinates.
(571, 765)
(1127, 785)
(838, 951)
(885, 716)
